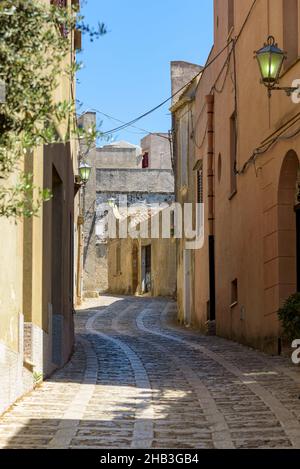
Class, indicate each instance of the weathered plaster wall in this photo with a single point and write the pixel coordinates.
(181, 74)
(111, 156)
(116, 171)
(163, 266)
(135, 180)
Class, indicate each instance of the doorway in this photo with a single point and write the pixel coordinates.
(187, 264)
(146, 269)
(288, 227)
(135, 277)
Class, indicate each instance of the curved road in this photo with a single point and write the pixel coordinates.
(137, 380)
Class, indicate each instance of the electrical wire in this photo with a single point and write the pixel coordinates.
(133, 126)
(226, 64)
(207, 65)
(220, 90)
(130, 123)
(213, 88)
(267, 146)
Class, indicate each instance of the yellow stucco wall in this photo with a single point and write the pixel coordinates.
(10, 281)
(163, 266)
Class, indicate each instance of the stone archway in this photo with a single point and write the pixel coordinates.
(288, 243)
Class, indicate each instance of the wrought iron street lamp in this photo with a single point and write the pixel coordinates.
(270, 60)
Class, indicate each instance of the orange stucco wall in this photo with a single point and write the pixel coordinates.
(254, 228)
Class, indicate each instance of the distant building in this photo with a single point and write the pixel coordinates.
(142, 174)
(156, 151)
(186, 176)
(140, 264)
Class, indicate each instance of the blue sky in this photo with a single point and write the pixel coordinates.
(127, 72)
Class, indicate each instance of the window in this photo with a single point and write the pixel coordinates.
(234, 293)
(290, 30)
(230, 15)
(145, 160)
(200, 186)
(233, 148)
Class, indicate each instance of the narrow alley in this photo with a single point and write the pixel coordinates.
(138, 380)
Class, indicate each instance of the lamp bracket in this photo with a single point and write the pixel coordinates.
(78, 183)
(287, 89)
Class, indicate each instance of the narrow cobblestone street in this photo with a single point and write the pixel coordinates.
(137, 380)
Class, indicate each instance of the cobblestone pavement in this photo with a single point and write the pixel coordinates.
(137, 380)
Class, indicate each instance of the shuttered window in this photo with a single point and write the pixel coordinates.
(145, 162)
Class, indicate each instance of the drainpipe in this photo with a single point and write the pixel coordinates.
(211, 208)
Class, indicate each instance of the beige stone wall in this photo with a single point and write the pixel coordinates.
(163, 268)
(122, 272)
(183, 113)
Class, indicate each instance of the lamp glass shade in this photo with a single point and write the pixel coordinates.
(85, 172)
(270, 59)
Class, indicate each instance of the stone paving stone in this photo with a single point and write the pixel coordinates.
(145, 380)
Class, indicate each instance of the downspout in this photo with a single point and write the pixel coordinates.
(211, 206)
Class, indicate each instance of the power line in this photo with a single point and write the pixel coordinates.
(130, 123)
(133, 126)
(208, 64)
(144, 131)
(262, 149)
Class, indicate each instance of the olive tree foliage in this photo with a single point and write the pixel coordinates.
(35, 50)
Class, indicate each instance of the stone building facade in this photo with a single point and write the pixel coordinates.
(37, 275)
(142, 266)
(183, 109)
(248, 146)
(117, 172)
